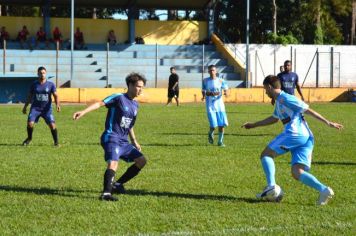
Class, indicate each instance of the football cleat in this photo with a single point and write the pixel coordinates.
(264, 192)
(118, 188)
(221, 145)
(325, 196)
(211, 138)
(107, 197)
(26, 142)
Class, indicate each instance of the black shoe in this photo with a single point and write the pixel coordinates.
(107, 197)
(56, 145)
(118, 188)
(26, 142)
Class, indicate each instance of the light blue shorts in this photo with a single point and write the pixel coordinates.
(301, 147)
(217, 119)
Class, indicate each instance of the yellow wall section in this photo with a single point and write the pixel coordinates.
(96, 30)
(159, 95)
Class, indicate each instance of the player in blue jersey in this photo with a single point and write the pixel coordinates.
(40, 96)
(296, 138)
(289, 80)
(212, 90)
(120, 119)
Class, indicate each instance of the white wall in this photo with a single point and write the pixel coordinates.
(266, 59)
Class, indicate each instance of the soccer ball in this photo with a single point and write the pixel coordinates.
(274, 194)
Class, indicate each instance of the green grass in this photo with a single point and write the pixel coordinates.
(188, 187)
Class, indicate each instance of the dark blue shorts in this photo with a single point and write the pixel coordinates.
(35, 115)
(126, 152)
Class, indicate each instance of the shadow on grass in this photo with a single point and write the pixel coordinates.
(47, 191)
(334, 163)
(138, 192)
(10, 144)
(172, 145)
(225, 134)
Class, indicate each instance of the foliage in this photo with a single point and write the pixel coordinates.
(188, 186)
(281, 39)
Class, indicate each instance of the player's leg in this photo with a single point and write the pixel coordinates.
(112, 158)
(301, 162)
(49, 118)
(170, 96)
(213, 123)
(222, 122)
(32, 118)
(176, 97)
(130, 154)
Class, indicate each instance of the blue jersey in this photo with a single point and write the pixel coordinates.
(121, 117)
(290, 109)
(214, 103)
(288, 81)
(42, 95)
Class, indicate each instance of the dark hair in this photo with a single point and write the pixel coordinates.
(287, 61)
(134, 77)
(172, 68)
(273, 81)
(211, 66)
(41, 68)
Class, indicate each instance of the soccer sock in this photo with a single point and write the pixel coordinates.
(269, 169)
(221, 137)
(54, 135)
(131, 172)
(108, 179)
(211, 132)
(29, 132)
(311, 181)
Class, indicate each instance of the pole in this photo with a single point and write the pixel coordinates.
(332, 67)
(4, 58)
(107, 64)
(71, 39)
(156, 66)
(202, 63)
(57, 53)
(247, 42)
(317, 69)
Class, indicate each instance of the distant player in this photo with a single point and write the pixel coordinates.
(120, 119)
(212, 90)
(173, 87)
(296, 138)
(40, 96)
(289, 80)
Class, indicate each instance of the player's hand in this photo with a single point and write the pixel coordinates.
(58, 108)
(77, 115)
(203, 98)
(24, 110)
(336, 125)
(137, 145)
(248, 125)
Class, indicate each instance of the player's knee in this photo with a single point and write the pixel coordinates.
(296, 171)
(30, 124)
(140, 162)
(268, 152)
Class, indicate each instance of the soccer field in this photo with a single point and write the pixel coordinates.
(188, 186)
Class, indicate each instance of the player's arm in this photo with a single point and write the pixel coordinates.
(268, 121)
(299, 89)
(317, 116)
(175, 85)
(133, 139)
(56, 100)
(28, 100)
(90, 108)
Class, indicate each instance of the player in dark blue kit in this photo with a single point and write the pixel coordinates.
(289, 80)
(120, 119)
(40, 96)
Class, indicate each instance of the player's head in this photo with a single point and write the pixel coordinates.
(270, 83)
(212, 71)
(173, 69)
(135, 83)
(287, 65)
(41, 72)
(281, 68)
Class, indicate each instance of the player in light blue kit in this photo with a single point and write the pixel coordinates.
(296, 138)
(212, 90)
(40, 96)
(120, 119)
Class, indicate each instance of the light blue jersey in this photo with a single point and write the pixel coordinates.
(215, 104)
(296, 137)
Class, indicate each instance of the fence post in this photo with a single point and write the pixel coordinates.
(295, 60)
(274, 60)
(203, 62)
(256, 67)
(107, 64)
(317, 69)
(57, 55)
(332, 67)
(4, 58)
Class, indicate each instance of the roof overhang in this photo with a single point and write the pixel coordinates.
(141, 4)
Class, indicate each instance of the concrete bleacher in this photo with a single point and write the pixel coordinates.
(90, 65)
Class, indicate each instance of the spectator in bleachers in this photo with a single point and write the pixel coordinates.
(41, 37)
(57, 37)
(78, 39)
(22, 37)
(112, 38)
(4, 36)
